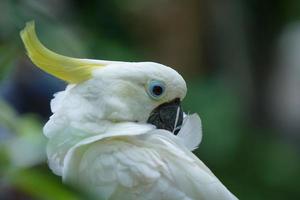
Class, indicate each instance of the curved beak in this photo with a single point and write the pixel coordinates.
(168, 116)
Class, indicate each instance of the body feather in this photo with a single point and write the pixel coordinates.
(153, 165)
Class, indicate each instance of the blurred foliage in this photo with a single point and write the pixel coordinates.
(253, 162)
(22, 151)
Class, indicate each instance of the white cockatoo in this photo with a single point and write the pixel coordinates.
(118, 131)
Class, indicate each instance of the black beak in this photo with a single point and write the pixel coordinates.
(168, 116)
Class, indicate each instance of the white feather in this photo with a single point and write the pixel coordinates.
(150, 166)
(95, 142)
(191, 131)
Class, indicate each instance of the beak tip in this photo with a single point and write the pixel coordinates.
(168, 116)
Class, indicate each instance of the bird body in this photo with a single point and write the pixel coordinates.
(118, 130)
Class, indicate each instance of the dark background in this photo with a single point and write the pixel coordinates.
(241, 61)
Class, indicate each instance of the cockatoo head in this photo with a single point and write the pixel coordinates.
(138, 92)
(108, 90)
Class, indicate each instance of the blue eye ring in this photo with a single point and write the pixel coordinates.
(156, 89)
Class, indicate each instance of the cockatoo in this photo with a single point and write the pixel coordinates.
(118, 131)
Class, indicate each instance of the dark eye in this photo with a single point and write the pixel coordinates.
(156, 89)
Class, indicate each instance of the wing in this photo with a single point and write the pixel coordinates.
(62, 139)
(149, 166)
(191, 174)
(121, 168)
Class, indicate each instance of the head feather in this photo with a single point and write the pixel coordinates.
(71, 70)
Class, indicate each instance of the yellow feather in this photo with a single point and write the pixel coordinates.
(72, 70)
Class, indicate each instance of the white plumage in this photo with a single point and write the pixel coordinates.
(100, 139)
(153, 165)
(123, 159)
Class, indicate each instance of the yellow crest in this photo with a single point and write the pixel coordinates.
(72, 70)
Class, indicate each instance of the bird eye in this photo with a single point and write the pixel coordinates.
(156, 89)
